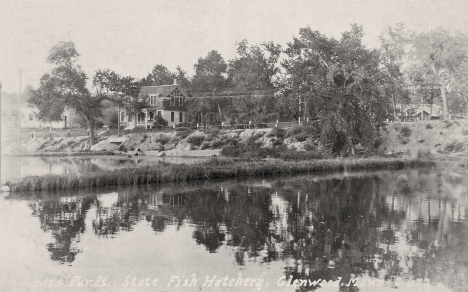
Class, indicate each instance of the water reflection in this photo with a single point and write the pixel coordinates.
(63, 217)
(376, 226)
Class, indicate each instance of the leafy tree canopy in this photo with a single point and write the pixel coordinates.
(443, 53)
(210, 72)
(338, 85)
(254, 67)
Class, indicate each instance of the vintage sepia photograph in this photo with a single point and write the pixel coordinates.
(234, 145)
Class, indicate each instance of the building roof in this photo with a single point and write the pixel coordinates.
(162, 90)
(427, 111)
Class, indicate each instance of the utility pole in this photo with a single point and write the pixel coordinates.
(19, 105)
(118, 121)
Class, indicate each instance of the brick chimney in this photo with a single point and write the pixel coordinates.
(175, 81)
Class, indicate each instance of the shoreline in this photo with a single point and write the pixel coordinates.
(24, 154)
(214, 168)
(169, 153)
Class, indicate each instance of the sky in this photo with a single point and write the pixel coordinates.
(131, 37)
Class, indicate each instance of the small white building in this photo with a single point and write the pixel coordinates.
(29, 120)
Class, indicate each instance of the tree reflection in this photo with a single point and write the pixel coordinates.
(64, 218)
(391, 224)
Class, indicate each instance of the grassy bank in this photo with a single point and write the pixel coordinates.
(214, 168)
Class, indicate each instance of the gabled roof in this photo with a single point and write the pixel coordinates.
(162, 90)
(427, 111)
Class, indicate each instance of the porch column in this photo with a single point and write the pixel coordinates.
(145, 112)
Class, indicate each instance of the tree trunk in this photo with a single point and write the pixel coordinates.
(395, 116)
(444, 99)
(432, 102)
(422, 112)
(91, 131)
(351, 145)
(442, 90)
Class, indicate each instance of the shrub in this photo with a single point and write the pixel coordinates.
(163, 140)
(114, 120)
(123, 148)
(465, 132)
(232, 141)
(143, 139)
(296, 155)
(181, 129)
(196, 140)
(252, 141)
(404, 140)
(60, 147)
(309, 147)
(424, 154)
(301, 137)
(454, 147)
(277, 133)
(296, 130)
(231, 151)
(159, 122)
(161, 147)
(377, 142)
(205, 145)
(277, 142)
(447, 125)
(217, 143)
(405, 131)
(214, 132)
(184, 134)
(428, 126)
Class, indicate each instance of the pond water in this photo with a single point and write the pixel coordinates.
(405, 229)
(14, 167)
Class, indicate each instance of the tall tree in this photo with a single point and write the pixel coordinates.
(394, 51)
(210, 73)
(443, 53)
(160, 75)
(254, 67)
(122, 91)
(461, 83)
(339, 84)
(183, 79)
(65, 87)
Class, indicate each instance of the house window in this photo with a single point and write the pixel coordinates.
(122, 116)
(153, 100)
(172, 116)
(30, 117)
(180, 117)
(176, 95)
(151, 115)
